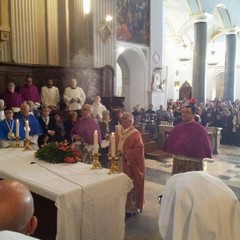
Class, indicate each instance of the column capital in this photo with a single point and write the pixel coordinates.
(203, 17)
(227, 31)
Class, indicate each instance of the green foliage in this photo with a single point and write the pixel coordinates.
(54, 152)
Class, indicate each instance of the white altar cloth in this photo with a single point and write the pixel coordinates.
(90, 203)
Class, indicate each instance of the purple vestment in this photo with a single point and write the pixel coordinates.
(85, 127)
(14, 99)
(190, 140)
(30, 93)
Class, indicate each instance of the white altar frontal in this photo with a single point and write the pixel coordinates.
(90, 203)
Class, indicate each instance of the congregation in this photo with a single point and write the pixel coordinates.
(213, 113)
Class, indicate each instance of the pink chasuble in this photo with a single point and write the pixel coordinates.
(131, 146)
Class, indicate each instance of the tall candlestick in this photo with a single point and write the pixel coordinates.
(26, 130)
(95, 142)
(17, 128)
(113, 145)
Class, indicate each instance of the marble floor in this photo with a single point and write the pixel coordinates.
(144, 226)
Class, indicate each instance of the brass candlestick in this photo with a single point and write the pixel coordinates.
(17, 143)
(114, 166)
(96, 163)
(27, 145)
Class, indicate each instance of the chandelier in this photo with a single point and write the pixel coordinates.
(86, 7)
(184, 55)
(212, 59)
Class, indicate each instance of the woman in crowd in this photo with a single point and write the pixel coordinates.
(69, 123)
(107, 127)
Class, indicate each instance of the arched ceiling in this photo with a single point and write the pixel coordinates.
(180, 15)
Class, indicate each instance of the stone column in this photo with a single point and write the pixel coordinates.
(199, 58)
(230, 65)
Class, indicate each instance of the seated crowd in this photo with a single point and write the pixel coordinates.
(213, 113)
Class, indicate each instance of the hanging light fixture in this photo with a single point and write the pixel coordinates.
(184, 55)
(86, 7)
(212, 58)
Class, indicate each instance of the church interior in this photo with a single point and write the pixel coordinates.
(132, 53)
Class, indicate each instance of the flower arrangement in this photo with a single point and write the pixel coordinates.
(54, 152)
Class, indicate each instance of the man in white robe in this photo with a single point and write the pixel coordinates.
(74, 97)
(97, 108)
(50, 95)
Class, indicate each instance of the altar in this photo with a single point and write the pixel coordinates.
(90, 203)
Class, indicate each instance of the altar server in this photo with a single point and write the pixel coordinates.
(50, 95)
(74, 96)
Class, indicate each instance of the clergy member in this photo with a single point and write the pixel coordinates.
(50, 95)
(130, 148)
(12, 99)
(74, 96)
(83, 130)
(30, 91)
(97, 108)
(197, 205)
(188, 139)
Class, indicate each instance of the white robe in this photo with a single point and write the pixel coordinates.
(50, 96)
(97, 109)
(9, 235)
(70, 93)
(197, 206)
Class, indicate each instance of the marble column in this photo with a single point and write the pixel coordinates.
(199, 59)
(230, 65)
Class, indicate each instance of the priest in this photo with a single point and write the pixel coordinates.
(130, 148)
(189, 142)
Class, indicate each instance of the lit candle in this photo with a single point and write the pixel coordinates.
(17, 128)
(26, 130)
(113, 145)
(95, 142)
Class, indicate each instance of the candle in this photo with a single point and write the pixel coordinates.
(26, 130)
(17, 128)
(95, 142)
(113, 145)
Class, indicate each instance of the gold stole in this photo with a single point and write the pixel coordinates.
(122, 137)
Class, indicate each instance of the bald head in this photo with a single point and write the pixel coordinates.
(16, 208)
(126, 120)
(24, 109)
